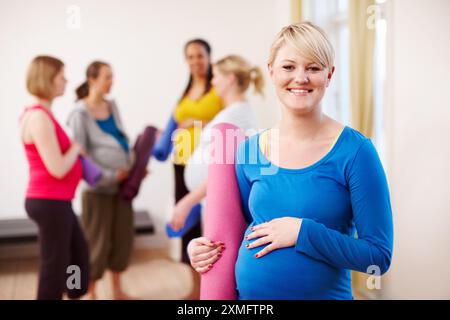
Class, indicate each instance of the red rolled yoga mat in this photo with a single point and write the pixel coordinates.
(142, 148)
(223, 219)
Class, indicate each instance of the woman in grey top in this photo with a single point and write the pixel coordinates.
(107, 219)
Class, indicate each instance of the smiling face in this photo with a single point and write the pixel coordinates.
(197, 59)
(300, 83)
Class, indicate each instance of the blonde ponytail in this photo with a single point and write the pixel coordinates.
(257, 79)
(244, 73)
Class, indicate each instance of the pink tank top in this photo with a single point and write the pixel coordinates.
(41, 184)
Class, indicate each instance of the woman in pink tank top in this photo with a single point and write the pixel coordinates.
(54, 173)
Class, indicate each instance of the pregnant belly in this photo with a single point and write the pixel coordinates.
(287, 274)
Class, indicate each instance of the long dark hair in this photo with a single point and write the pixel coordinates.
(209, 74)
(92, 71)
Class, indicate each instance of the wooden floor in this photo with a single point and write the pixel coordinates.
(151, 275)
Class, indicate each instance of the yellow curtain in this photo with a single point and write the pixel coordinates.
(362, 43)
(296, 11)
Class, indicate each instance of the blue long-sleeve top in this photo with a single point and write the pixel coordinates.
(342, 194)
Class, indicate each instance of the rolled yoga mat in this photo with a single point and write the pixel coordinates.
(192, 219)
(164, 145)
(142, 148)
(91, 172)
(223, 218)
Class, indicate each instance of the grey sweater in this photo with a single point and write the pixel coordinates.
(102, 148)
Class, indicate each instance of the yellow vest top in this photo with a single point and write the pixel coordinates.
(203, 109)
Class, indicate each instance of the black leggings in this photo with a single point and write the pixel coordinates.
(62, 244)
(180, 191)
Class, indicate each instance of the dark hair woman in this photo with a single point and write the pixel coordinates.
(200, 104)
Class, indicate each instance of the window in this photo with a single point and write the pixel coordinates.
(380, 79)
(332, 15)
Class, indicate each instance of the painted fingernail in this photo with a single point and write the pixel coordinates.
(246, 237)
(219, 255)
(252, 228)
(210, 266)
(247, 246)
(257, 255)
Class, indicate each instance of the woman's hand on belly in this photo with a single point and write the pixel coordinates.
(278, 233)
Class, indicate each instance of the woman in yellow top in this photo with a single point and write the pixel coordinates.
(198, 105)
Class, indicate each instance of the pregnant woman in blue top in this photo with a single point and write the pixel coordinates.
(308, 185)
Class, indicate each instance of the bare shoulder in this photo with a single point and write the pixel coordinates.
(38, 118)
(35, 121)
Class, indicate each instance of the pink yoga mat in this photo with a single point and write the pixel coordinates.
(223, 220)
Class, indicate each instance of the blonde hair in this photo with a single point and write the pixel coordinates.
(41, 73)
(310, 41)
(244, 72)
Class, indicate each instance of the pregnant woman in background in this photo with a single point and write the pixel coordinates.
(54, 173)
(199, 103)
(107, 219)
(325, 182)
(232, 77)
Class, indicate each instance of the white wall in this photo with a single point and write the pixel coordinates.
(418, 118)
(143, 41)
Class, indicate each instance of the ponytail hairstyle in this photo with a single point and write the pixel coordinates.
(209, 74)
(257, 79)
(245, 74)
(92, 71)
